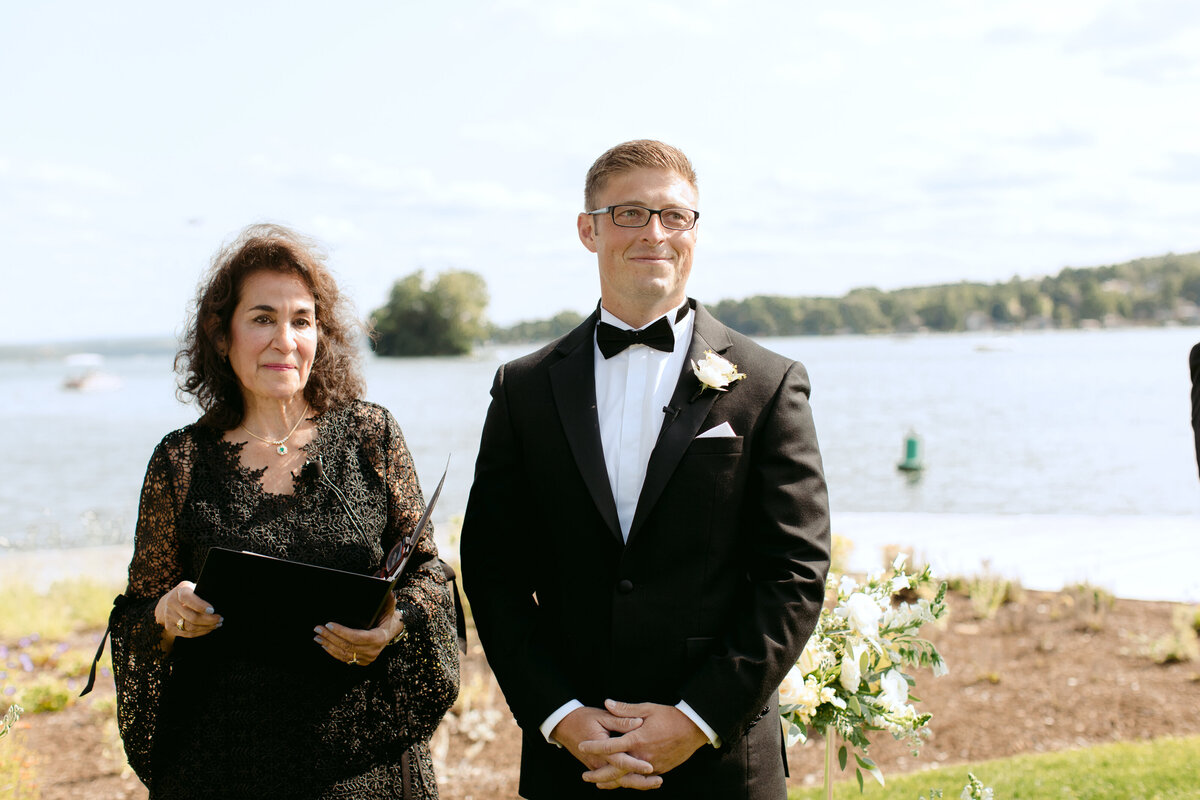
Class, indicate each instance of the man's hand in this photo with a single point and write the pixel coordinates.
(588, 725)
(664, 739)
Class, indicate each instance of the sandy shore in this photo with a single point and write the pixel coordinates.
(1143, 558)
(41, 568)
(1136, 557)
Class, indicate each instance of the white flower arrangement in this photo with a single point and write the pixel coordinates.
(715, 372)
(851, 679)
(974, 790)
(10, 718)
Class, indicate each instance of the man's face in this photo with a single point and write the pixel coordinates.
(643, 271)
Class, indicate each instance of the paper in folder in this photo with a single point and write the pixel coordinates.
(272, 603)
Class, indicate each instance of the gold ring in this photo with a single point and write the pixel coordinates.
(179, 624)
(353, 658)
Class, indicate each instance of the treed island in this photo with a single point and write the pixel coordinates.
(448, 314)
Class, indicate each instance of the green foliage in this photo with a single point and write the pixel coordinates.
(987, 591)
(67, 607)
(38, 668)
(1090, 604)
(1182, 643)
(16, 772)
(1146, 291)
(16, 767)
(444, 318)
(542, 330)
(44, 693)
(1163, 769)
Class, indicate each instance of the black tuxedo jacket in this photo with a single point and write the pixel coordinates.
(710, 601)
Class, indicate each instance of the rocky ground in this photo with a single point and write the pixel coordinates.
(1047, 672)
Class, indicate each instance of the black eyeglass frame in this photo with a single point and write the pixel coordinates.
(612, 214)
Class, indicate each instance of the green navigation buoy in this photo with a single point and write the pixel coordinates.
(912, 454)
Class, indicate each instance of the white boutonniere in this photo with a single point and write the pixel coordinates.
(715, 372)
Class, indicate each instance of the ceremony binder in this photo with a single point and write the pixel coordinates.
(266, 598)
(270, 603)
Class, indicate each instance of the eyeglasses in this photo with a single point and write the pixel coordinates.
(677, 219)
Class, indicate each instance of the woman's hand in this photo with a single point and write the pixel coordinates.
(182, 613)
(361, 647)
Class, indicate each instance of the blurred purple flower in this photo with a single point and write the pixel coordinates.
(26, 662)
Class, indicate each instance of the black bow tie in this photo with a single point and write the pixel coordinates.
(613, 340)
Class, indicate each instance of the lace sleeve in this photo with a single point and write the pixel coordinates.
(140, 667)
(425, 662)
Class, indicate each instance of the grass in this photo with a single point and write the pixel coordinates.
(16, 773)
(1183, 643)
(65, 608)
(38, 668)
(1163, 769)
(15, 765)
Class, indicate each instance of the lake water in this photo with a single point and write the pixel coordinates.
(1040, 426)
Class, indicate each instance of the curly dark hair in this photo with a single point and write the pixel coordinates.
(205, 373)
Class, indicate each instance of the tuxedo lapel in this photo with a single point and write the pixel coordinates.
(573, 381)
(678, 432)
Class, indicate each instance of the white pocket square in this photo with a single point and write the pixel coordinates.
(721, 431)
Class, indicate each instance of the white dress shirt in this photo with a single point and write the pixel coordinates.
(632, 389)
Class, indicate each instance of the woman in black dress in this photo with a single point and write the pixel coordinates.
(271, 357)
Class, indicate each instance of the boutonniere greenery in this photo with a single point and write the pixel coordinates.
(715, 372)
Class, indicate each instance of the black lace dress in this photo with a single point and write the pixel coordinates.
(204, 722)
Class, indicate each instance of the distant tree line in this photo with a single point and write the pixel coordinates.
(538, 330)
(448, 315)
(1147, 291)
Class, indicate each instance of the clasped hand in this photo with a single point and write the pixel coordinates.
(629, 745)
(182, 612)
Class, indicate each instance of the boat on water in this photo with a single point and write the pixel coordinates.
(93, 378)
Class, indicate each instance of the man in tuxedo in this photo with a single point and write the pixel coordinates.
(645, 553)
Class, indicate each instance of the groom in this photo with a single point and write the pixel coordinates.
(644, 552)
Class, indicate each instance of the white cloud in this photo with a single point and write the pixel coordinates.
(61, 176)
(333, 229)
(837, 146)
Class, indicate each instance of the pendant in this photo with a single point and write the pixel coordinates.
(282, 450)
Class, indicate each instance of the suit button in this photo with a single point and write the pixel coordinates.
(625, 586)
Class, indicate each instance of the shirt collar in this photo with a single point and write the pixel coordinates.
(674, 317)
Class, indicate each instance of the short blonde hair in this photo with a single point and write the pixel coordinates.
(637, 154)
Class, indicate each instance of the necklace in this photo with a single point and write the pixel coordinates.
(281, 445)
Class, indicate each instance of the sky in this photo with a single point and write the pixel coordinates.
(837, 145)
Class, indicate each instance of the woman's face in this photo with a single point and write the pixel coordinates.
(273, 337)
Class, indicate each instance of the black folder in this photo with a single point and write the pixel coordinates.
(277, 603)
(271, 604)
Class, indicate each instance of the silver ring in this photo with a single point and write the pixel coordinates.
(179, 624)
